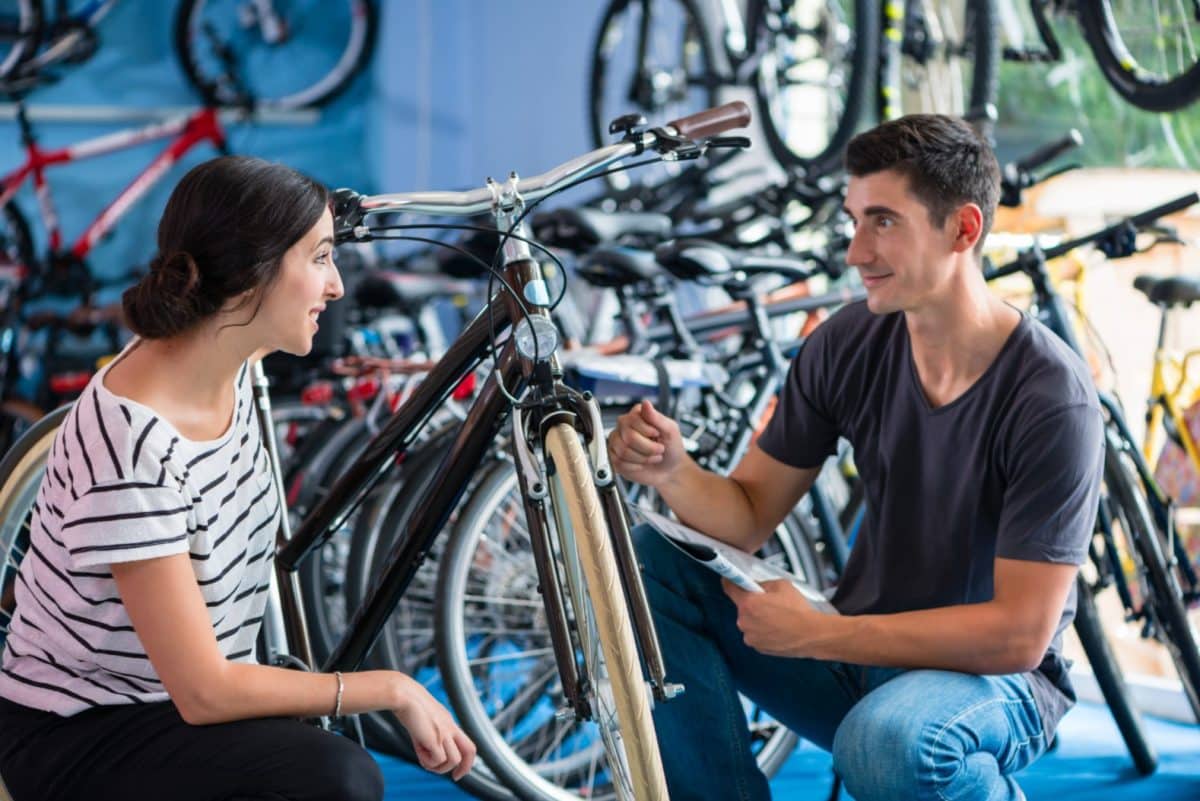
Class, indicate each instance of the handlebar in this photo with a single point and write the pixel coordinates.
(350, 208)
(1131, 223)
(1049, 152)
(1018, 176)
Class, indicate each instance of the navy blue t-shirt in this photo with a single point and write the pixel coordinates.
(1011, 468)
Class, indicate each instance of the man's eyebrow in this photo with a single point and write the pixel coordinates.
(873, 210)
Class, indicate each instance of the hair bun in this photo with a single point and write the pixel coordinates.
(165, 302)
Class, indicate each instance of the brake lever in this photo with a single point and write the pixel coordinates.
(348, 216)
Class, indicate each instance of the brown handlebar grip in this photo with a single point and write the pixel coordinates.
(713, 121)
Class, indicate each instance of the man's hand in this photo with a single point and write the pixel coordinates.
(646, 445)
(778, 621)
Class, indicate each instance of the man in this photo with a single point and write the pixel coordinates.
(979, 438)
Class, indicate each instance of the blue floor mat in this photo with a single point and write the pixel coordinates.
(1091, 763)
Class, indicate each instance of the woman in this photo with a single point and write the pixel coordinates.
(129, 669)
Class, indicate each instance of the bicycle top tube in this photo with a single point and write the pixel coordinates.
(676, 137)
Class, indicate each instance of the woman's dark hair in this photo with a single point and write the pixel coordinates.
(224, 231)
(946, 161)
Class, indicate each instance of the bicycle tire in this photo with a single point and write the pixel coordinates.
(827, 155)
(215, 88)
(896, 68)
(21, 473)
(25, 32)
(633, 744)
(1111, 679)
(600, 77)
(1134, 84)
(1164, 597)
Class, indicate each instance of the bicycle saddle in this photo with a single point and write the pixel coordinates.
(614, 267)
(582, 228)
(389, 289)
(697, 259)
(1172, 291)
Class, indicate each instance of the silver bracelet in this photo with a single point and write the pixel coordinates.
(337, 704)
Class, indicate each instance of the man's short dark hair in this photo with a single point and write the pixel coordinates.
(946, 161)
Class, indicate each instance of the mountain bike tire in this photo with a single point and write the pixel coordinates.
(1120, 68)
(617, 23)
(1164, 601)
(1111, 679)
(965, 90)
(772, 23)
(206, 72)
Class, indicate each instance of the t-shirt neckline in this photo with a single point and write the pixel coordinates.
(915, 378)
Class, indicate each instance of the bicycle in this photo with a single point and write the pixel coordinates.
(279, 56)
(1170, 443)
(1135, 519)
(808, 61)
(593, 597)
(943, 56)
(63, 270)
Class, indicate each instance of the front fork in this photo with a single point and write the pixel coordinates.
(584, 413)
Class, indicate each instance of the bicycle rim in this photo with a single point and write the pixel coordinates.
(303, 58)
(811, 81)
(672, 80)
(1148, 50)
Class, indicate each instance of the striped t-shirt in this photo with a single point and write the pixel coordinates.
(122, 484)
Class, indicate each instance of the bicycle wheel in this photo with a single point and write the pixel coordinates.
(813, 76)
(494, 648)
(1146, 49)
(1161, 594)
(1111, 680)
(279, 55)
(651, 57)
(20, 30)
(942, 59)
(20, 479)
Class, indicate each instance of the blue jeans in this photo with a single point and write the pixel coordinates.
(894, 734)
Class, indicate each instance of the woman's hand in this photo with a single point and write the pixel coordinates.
(440, 744)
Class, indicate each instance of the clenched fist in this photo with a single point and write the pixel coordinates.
(646, 446)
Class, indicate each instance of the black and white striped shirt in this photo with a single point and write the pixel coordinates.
(122, 484)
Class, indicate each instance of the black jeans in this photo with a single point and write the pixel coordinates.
(147, 751)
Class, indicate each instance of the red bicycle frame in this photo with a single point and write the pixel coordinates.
(188, 130)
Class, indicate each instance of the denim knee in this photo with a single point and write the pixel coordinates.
(879, 753)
